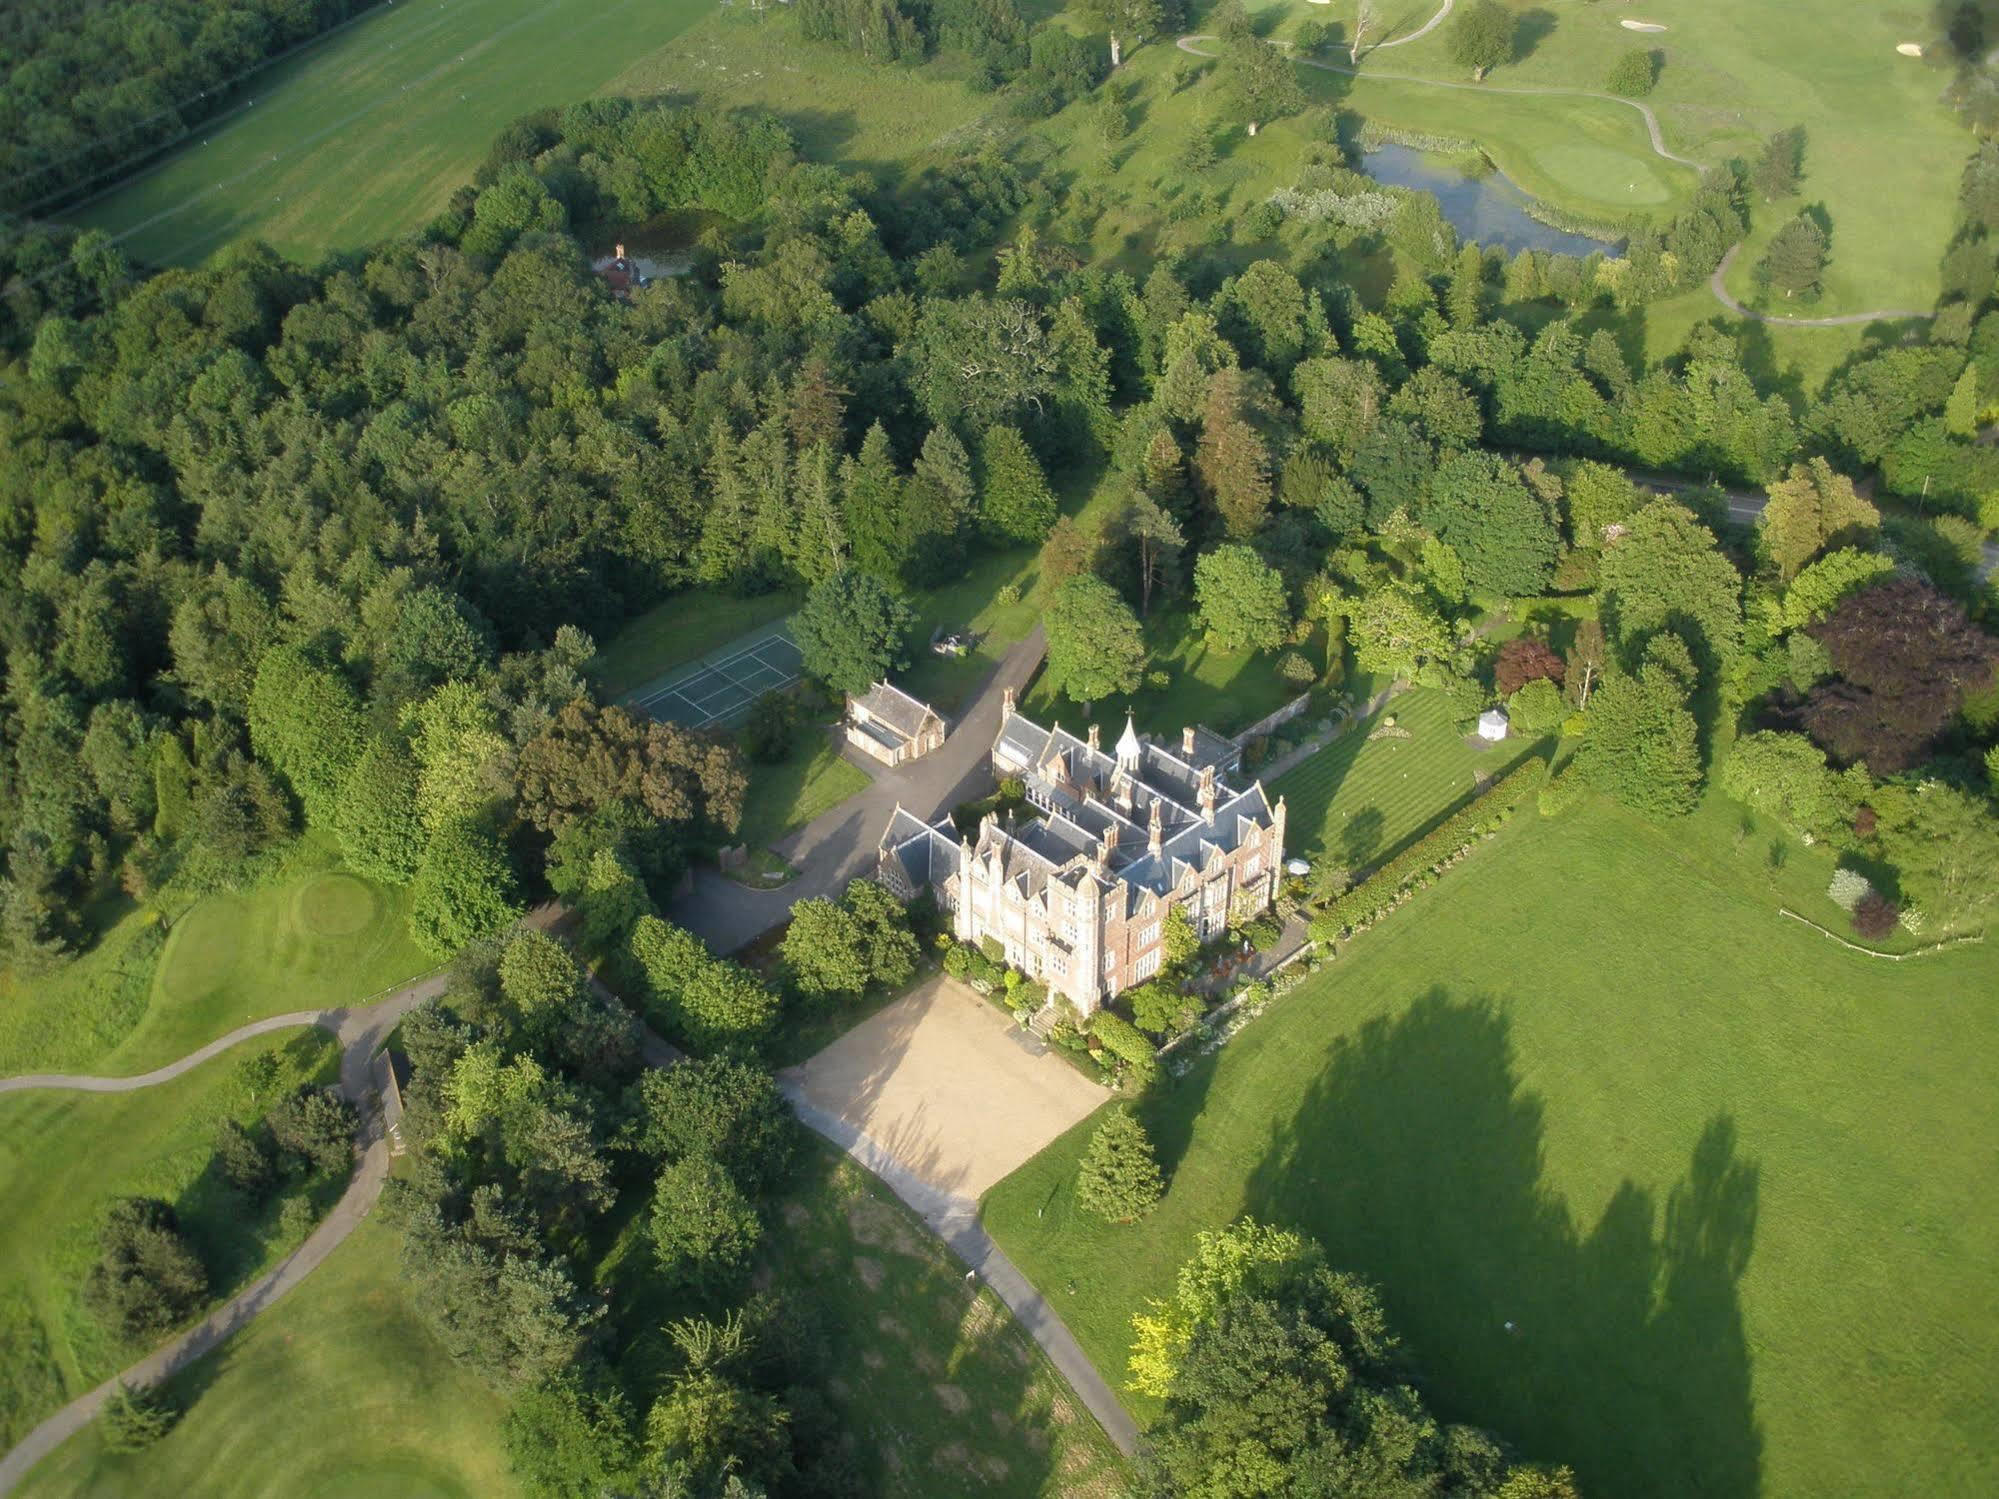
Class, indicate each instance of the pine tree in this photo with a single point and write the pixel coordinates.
(1232, 461)
(1960, 412)
(1119, 1178)
(872, 494)
(1796, 257)
(1017, 505)
(1781, 164)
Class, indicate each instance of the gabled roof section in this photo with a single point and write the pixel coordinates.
(895, 709)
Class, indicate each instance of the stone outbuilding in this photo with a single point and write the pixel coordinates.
(889, 725)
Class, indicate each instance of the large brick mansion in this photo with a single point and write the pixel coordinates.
(1077, 895)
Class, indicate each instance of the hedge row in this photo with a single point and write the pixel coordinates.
(1125, 1041)
(1379, 891)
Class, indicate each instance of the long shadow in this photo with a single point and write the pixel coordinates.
(1417, 1159)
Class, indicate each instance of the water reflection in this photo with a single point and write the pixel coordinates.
(1488, 209)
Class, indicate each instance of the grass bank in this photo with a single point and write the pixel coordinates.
(1654, 1181)
(310, 937)
(65, 1156)
(335, 1393)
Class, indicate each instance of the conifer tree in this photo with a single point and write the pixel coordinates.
(1119, 1178)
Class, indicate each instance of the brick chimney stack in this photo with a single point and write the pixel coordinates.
(1006, 704)
(1187, 741)
(620, 250)
(1208, 795)
(1156, 832)
(1095, 744)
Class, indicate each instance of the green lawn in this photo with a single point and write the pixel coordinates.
(1729, 1182)
(1883, 155)
(1225, 690)
(65, 1156)
(792, 792)
(1361, 798)
(310, 938)
(368, 135)
(334, 1393)
(937, 1387)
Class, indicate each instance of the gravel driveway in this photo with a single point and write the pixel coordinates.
(948, 1086)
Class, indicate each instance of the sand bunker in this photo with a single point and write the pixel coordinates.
(1910, 49)
(1641, 25)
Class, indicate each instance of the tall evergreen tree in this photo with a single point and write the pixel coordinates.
(1119, 1176)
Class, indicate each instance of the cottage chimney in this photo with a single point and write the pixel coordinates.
(1096, 743)
(1208, 795)
(1187, 741)
(1006, 704)
(1156, 830)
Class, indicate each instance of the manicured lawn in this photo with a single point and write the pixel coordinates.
(788, 795)
(1361, 798)
(1883, 155)
(335, 1391)
(65, 1156)
(367, 136)
(1729, 1183)
(680, 629)
(1225, 690)
(937, 1387)
(312, 937)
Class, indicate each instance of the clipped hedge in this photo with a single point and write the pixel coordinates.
(1384, 887)
(1127, 1043)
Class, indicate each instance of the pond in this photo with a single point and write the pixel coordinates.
(1489, 209)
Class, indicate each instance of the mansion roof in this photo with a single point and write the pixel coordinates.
(1143, 816)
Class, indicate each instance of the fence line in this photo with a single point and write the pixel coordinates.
(1892, 957)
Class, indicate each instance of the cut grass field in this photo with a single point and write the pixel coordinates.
(786, 796)
(312, 937)
(335, 1393)
(1225, 690)
(1360, 799)
(368, 135)
(1883, 154)
(935, 1386)
(65, 1156)
(1654, 1181)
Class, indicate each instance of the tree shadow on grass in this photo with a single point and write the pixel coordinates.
(1416, 1158)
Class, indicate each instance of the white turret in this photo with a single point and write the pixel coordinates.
(1128, 748)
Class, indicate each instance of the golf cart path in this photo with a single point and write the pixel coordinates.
(1420, 32)
(1715, 282)
(361, 1031)
(327, 1019)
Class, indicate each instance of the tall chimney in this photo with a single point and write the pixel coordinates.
(1156, 832)
(1187, 741)
(1006, 704)
(1095, 744)
(1208, 794)
(620, 249)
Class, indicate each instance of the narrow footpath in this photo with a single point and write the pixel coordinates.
(361, 1032)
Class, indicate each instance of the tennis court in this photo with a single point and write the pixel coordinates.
(716, 691)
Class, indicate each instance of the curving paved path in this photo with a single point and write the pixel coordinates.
(1716, 282)
(1420, 32)
(955, 1220)
(360, 1031)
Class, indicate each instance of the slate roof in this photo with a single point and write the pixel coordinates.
(1085, 792)
(928, 854)
(895, 709)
